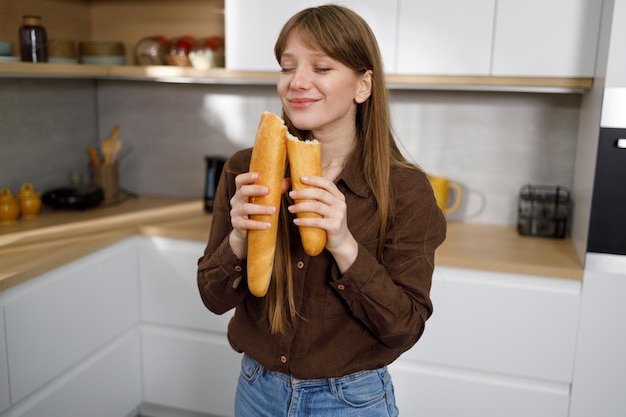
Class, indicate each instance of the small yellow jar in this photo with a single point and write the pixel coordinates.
(9, 208)
(30, 203)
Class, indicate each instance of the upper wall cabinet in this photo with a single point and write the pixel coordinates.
(546, 38)
(616, 66)
(252, 28)
(447, 37)
(512, 38)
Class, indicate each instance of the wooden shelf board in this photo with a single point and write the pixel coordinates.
(223, 76)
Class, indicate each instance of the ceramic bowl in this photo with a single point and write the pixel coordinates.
(6, 48)
(101, 48)
(103, 59)
(62, 49)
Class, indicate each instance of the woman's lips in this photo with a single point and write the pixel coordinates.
(299, 103)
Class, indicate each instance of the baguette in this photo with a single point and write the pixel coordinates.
(305, 158)
(268, 160)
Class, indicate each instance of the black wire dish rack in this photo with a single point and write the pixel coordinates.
(543, 211)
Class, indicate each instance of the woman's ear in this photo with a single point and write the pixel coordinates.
(364, 87)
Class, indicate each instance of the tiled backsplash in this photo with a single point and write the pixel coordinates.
(492, 143)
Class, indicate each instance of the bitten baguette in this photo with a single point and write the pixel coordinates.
(305, 158)
(268, 160)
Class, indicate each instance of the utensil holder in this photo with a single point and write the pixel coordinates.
(106, 176)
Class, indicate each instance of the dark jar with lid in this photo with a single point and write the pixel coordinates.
(33, 40)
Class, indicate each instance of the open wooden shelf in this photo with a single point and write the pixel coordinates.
(222, 76)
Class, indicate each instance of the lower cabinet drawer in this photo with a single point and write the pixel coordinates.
(516, 325)
(107, 384)
(445, 392)
(65, 315)
(189, 370)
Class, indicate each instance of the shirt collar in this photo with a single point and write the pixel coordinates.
(353, 176)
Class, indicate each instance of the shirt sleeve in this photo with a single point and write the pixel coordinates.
(220, 273)
(392, 297)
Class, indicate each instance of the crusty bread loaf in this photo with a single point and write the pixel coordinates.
(305, 158)
(268, 160)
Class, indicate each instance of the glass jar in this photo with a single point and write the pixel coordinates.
(33, 40)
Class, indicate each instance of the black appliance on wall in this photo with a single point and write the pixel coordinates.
(607, 224)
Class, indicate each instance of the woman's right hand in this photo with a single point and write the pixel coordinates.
(242, 208)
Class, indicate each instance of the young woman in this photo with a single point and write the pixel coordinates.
(319, 342)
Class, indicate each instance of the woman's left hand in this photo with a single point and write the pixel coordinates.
(324, 198)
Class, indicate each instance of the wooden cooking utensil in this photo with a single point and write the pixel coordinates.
(93, 155)
(111, 146)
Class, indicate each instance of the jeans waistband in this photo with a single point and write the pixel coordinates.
(331, 382)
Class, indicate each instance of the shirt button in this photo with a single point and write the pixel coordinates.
(300, 265)
(283, 359)
(238, 268)
(341, 287)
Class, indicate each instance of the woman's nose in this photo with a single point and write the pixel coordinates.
(301, 79)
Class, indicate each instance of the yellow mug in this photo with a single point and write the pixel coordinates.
(441, 187)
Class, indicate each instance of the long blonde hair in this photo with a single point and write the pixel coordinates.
(344, 36)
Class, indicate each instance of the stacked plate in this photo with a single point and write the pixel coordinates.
(102, 53)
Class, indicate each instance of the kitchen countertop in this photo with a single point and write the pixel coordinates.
(32, 247)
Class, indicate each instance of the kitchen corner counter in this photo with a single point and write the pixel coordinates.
(502, 249)
(30, 248)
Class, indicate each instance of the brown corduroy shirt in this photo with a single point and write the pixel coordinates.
(362, 319)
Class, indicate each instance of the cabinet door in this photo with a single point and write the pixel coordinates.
(251, 28)
(599, 383)
(445, 392)
(616, 66)
(546, 38)
(5, 400)
(381, 16)
(189, 370)
(507, 324)
(169, 290)
(56, 320)
(446, 37)
(107, 384)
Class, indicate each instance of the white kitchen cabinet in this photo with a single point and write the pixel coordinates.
(446, 37)
(436, 391)
(189, 370)
(616, 66)
(187, 361)
(5, 399)
(169, 290)
(62, 317)
(546, 38)
(496, 344)
(252, 28)
(381, 16)
(106, 384)
(599, 376)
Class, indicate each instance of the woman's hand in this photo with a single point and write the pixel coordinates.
(242, 209)
(324, 198)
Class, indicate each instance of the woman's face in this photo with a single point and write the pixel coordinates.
(317, 92)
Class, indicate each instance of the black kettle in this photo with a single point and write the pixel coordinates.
(214, 166)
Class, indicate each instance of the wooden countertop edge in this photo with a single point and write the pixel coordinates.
(37, 253)
(31, 261)
(132, 219)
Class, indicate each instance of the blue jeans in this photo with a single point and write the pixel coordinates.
(265, 393)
